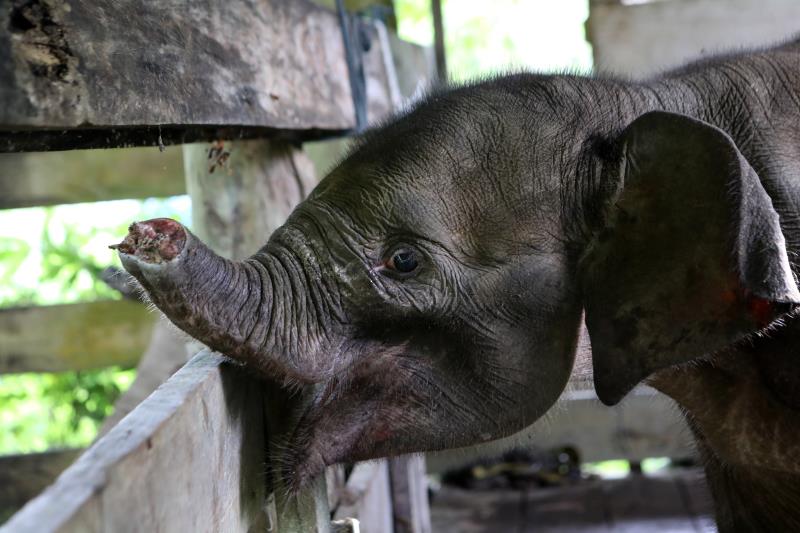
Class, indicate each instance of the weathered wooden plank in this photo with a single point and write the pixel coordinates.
(458, 511)
(88, 64)
(410, 509)
(51, 178)
(572, 508)
(647, 503)
(635, 504)
(415, 66)
(234, 211)
(58, 338)
(109, 76)
(642, 39)
(165, 354)
(22, 477)
(237, 206)
(366, 496)
(189, 458)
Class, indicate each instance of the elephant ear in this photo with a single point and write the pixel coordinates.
(691, 258)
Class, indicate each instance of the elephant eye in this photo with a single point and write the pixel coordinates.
(403, 261)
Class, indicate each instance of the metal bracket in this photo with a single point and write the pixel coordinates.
(357, 40)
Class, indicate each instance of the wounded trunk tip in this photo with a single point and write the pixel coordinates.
(153, 241)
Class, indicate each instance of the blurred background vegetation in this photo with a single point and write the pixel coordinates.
(54, 255)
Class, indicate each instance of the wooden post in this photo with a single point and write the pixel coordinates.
(438, 40)
(235, 207)
(367, 496)
(410, 507)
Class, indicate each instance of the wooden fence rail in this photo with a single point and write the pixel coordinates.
(76, 176)
(115, 71)
(52, 178)
(58, 338)
(190, 458)
(131, 73)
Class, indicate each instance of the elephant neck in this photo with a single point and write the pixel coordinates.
(750, 499)
(754, 97)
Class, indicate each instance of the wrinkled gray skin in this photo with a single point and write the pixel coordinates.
(529, 200)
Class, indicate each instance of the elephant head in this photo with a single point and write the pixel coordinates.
(431, 288)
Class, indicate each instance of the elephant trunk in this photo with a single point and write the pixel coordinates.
(228, 305)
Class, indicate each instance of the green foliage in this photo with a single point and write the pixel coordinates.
(64, 410)
(13, 253)
(51, 255)
(66, 264)
(612, 469)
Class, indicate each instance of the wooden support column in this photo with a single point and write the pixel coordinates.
(411, 511)
(235, 207)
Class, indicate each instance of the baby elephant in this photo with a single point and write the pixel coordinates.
(430, 291)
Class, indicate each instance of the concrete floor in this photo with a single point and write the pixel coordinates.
(674, 503)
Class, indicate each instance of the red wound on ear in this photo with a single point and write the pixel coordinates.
(730, 297)
(153, 241)
(761, 310)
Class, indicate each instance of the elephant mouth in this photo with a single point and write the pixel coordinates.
(333, 434)
(351, 417)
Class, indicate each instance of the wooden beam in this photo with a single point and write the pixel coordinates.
(189, 458)
(126, 73)
(410, 508)
(22, 477)
(53, 178)
(367, 497)
(235, 209)
(58, 338)
(641, 40)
